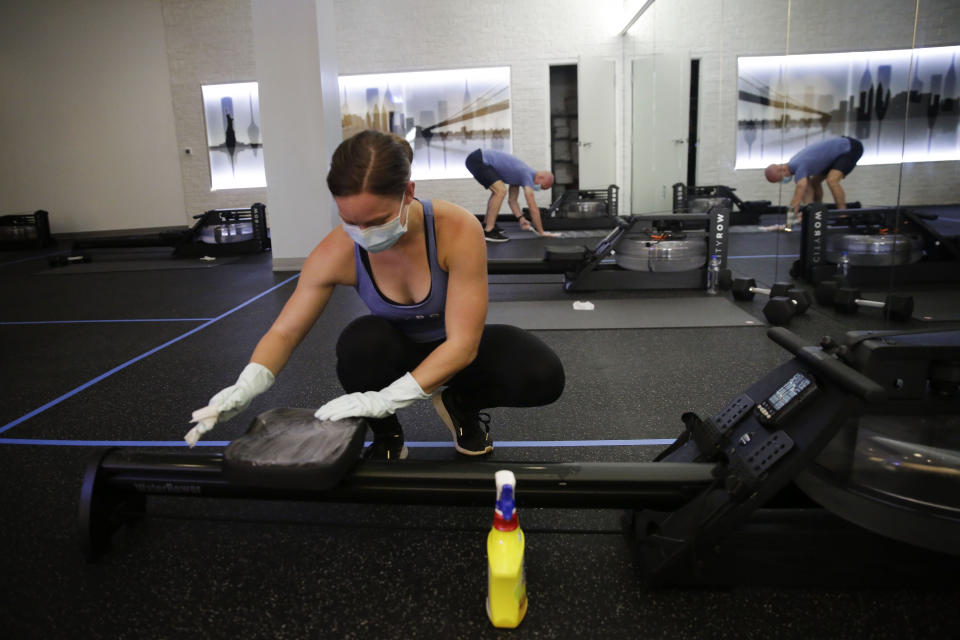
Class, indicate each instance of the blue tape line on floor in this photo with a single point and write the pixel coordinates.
(112, 443)
(126, 364)
(46, 255)
(646, 442)
(107, 321)
(500, 444)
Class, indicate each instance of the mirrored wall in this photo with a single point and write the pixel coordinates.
(719, 91)
(691, 134)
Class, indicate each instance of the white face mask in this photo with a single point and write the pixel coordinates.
(787, 179)
(380, 237)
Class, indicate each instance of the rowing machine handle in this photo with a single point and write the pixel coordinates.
(828, 366)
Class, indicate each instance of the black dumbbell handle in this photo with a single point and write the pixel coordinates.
(827, 365)
(870, 303)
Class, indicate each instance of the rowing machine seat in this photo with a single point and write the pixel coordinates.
(565, 255)
(289, 448)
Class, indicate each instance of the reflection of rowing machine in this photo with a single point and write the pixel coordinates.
(671, 253)
(577, 209)
(26, 231)
(876, 241)
(690, 199)
(719, 506)
(582, 209)
(218, 232)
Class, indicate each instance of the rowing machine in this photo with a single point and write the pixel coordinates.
(721, 474)
(671, 254)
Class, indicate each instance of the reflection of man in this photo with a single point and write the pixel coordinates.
(495, 170)
(831, 160)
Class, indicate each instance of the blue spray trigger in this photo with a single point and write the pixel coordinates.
(505, 503)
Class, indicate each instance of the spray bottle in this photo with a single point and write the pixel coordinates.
(507, 580)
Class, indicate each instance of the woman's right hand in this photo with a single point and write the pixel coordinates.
(254, 380)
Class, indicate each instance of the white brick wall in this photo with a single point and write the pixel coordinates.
(719, 31)
(208, 42)
(528, 36)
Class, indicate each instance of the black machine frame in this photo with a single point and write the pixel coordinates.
(26, 231)
(591, 269)
(189, 242)
(716, 508)
(941, 262)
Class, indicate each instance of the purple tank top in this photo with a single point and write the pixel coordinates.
(422, 321)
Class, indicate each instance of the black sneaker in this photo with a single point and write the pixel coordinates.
(471, 432)
(495, 235)
(386, 448)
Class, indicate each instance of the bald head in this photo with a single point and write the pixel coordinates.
(776, 172)
(544, 179)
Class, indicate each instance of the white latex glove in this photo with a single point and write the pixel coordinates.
(254, 380)
(401, 393)
(546, 234)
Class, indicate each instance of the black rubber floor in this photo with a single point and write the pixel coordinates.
(94, 358)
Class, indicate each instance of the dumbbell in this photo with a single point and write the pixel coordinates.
(785, 301)
(745, 289)
(724, 279)
(825, 291)
(61, 260)
(895, 307)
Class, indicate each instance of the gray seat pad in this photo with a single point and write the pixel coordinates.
(289, 448)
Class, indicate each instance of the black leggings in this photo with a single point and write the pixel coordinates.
(513, 368)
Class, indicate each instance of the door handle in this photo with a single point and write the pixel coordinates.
(585, 144)
(679, 141)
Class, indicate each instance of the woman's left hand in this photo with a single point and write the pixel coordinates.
(374, 404)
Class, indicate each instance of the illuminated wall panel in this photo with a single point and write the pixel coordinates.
(902, 105)
(444, 114)
(232, 113)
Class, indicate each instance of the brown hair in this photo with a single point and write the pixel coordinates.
(370, 162)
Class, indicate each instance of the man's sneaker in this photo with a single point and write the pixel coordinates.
(495, 235)
(471, 431)
(386, 448)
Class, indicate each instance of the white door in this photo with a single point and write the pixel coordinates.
(661, 107)
(596, 121)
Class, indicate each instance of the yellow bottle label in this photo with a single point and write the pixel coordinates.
(507, 580)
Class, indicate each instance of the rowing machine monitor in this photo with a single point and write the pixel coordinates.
(786, 399)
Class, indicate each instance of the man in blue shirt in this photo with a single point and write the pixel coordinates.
(496, 170)
(831, 160)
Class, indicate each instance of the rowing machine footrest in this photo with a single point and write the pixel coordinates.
(751, 457)
(288, 448)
